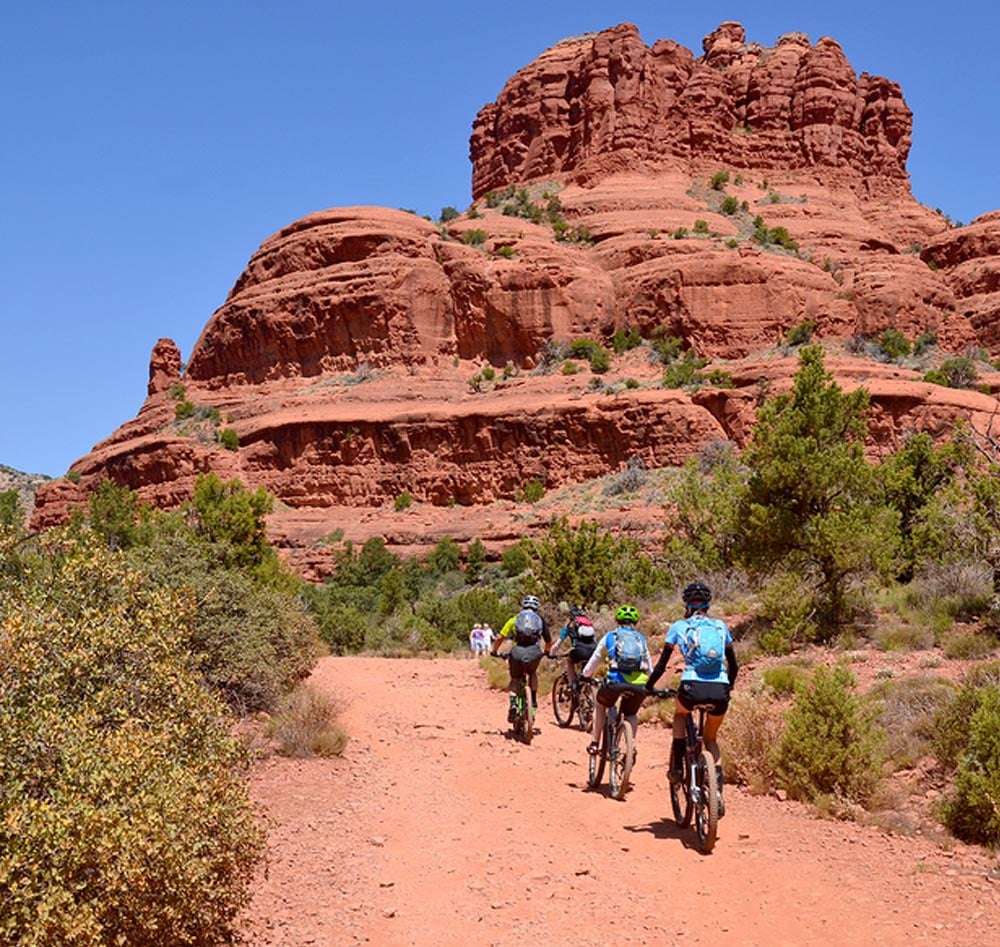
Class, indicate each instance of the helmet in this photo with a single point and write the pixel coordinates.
(628, 614)
(575, 611)
(531, 601)
(697, 595)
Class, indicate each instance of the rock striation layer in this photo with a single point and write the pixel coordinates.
(621, 191)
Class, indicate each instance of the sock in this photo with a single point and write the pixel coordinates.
(677, 753)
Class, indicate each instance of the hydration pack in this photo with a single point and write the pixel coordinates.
(704, 645)
(527, 627)
(583, 631)
(628, 651)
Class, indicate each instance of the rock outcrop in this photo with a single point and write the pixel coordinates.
(367, 353)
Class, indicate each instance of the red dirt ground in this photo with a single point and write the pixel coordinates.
(436, 828)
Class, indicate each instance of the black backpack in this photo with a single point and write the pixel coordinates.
(527, 627)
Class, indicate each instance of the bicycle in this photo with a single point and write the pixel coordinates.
(573, 698)
(524, 711)
(698, 792)
(616, 746)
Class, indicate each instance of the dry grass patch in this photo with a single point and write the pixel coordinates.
(307, 724)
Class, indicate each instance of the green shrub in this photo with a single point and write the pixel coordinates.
(631, 383)
(229, 439)
(569, 368)
(625, 340)
(909, 709)
(447, 214)
(403, 501)
(968, 645)
(719, 180)
(514, 559)
(973, 813)
(801, 334)
(474, 238)
(184, 410)
(701, 226)
(958, 372)
(730, 205)
(831, 745)
(785, 679)
(124, 812)
(894, 343)
(532, 491)
(924, 341)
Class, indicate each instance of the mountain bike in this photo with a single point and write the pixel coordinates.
(524, 712)
(698, 792)
(616, 745)
(573, 698)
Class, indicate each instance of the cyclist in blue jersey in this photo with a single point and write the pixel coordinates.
(627, 654)
(710, 670)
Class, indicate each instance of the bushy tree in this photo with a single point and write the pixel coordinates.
(812, 505)
(582, 564)
(11, 513)
(124, 812)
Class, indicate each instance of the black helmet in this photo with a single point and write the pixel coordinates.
(575, 611)
(697, 595)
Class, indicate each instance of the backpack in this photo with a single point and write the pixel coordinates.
(704, 645)
(527, 627)
(583, 631)
(628, 650)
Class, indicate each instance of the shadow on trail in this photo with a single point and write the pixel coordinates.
(668, 829)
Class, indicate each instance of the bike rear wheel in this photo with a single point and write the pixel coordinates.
(622, 753)
(563, 700)
(707, 810)
(680, 797)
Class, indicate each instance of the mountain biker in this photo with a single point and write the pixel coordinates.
(627, 617)
(528, 629)
(582, 638)
(697, 686)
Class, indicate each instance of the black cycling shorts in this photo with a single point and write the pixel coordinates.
(715, 693)
(524, 659)
(607, 694)
(581, 652)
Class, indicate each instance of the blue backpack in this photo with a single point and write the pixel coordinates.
(628, 650)
(704, 645)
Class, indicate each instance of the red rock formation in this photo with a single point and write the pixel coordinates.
(344, 352)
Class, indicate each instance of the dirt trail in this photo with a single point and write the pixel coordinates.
(436, 828)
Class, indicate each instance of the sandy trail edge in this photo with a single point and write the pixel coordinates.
(436, 828)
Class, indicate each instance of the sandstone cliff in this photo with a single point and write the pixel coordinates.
(723, 199)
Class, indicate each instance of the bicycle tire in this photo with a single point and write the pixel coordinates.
(563, 700)
(680, 797)
(585, 706)
(595, 764)
(621, 759)
(529, 718)
(707, 809)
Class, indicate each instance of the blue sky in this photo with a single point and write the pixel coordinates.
(150, 147)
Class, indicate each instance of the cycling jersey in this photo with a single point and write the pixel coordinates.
(676, 637)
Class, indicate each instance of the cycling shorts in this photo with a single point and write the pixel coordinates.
(524, 659)
(607, 694)
(715, 693)
(581, 652)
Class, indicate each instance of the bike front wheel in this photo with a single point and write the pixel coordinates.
(585, 706)
(622, 757)
(595, 763)
(563, 700)
(527, 717)
(680, 797)
(707, 810)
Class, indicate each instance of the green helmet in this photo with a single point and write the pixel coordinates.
(627, 614)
